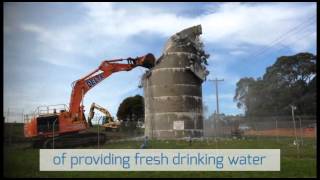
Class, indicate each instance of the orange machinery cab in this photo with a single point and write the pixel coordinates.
(47, 121)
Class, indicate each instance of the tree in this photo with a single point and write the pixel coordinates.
(290, 80)
(132, 109)
(242, 92)
(307, 103)
(287, 70)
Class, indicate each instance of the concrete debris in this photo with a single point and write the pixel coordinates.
(188, 38)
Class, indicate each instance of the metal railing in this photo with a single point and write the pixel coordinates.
(44, 110)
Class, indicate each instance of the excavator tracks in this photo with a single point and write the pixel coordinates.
(71, 141)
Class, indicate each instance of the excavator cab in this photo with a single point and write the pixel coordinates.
(47, 124)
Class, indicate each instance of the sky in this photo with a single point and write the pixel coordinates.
(47, 46)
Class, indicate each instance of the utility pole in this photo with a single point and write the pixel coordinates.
(217, 101)
(217, 94)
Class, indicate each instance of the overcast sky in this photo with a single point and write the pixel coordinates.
(47, 46)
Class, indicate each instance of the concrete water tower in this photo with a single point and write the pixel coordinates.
(172, 89)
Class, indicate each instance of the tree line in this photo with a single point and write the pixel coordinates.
(291, 80)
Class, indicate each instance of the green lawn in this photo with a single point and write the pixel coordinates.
(22, 161)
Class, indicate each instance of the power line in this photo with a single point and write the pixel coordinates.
(309, 32)
(305, 35)
(306, 32)
(290, 31)
(285, 35)
(279, 42)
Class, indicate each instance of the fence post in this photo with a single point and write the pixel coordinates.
(214, 126)
(53, 124)
(315, 135)
(8, 127)
(277, 129)
(22, 115)
(301, 132)
(99, 132)
(256, 129)
(295, 131)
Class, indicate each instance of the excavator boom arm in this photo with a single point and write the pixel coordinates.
(83, 85)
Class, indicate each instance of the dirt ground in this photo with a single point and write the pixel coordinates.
(288, 132)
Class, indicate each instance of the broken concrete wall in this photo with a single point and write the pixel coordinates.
(172, 89)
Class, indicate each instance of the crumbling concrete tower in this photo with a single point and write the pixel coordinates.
(172, 89)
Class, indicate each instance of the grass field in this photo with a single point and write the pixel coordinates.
(22, 161)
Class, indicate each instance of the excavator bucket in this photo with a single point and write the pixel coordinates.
(147, 61)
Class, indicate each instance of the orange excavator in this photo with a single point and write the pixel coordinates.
(68, 125)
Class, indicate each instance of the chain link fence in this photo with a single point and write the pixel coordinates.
(13, 126)
(296, 128)
(271, 126)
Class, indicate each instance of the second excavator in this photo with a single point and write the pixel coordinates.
(109, 123)
(68, 125)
